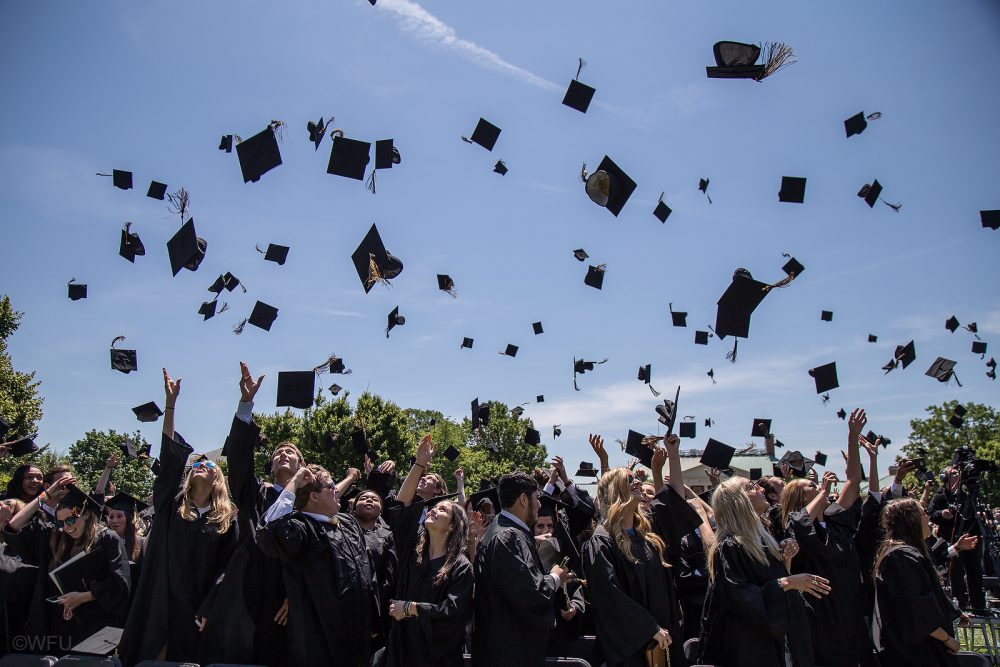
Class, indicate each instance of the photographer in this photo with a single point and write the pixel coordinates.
(953, 511)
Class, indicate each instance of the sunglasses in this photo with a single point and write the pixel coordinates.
(68, 521)
(203, 464)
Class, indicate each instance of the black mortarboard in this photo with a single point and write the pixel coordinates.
(480, 414)
(74, 498)
(123, 360)
(226, 143)
(230, 282)
(942, 369)
(517, 411)
(972, 328)
(687, 429)
(131, 245)
(952, 324)
(451, 453)
(578, 96)
(645, 373)
(735, 60)
(316, 131)
(870, 193)
(826, 315)
(703, 186)
(258, 155)
(609, 186)
(263, 315)
(349, 158)
(737, 304)
(957, 414)
(186, 250)
(586, 470)
(717, 454)
(856, 124)
(537, 327)
(446, 284)
(157, 190)
(76, 291)
(796, 461)
(127, 446)
(218, 285)
(467, 342)
(701, 338)
(678, 318)
(489, 493)
(662, 211)
(556, 431)
(296, 389)
(756, 473)
(580, 254)
(532, 437)
(393, 320)
(207, 309)
(990, 219)
(872, 338)
(634, 447)
(793, 268)
(373, 262)
(761, 428)
(540, 398)
(793, 189)
(147, 412)
(25, 445)
(123, 502)
(359, 440)
(709, 422)
(500, 168)
(842, 413)
(825, 377)
(511, 350)
(386, 154)
(154, 466)
(580, 367)
(335, 389)
(978, 347)
(121, 179)
(595, 276)
(906, 354)
(276, 253)
(485, 134)
(820, 458)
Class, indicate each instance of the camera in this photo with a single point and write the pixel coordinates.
(969, 467)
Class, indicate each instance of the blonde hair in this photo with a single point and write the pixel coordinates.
(613, 495)
(736, 518)
(793, 498)
(222, 510)
(64, 547)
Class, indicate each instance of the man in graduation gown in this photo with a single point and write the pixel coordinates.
(513, 601)
(327, 572)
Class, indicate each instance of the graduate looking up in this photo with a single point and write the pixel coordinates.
(513, 603)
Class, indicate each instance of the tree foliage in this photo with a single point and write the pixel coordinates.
(89, 454)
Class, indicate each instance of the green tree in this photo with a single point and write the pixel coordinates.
(499, 447)
(89, 454)
(934, 439)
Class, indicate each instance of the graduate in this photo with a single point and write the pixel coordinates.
(327, 572)
(913, 616)
(193, 536)
(382, 547)
(94, 589)
(754, 614)
(569, 605)
(121, 517)
(25, 483)
(631, 594)
(825, 534)
(434, 593)
(513, 602)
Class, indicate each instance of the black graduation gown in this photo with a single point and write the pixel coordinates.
(513, 602)
(692, 584)
(672, 519)
(23, 547)
(747, 617)
(330, 588)
(183, 560)
(17, 583)
(382, 548)
(866, 543)
(629, 601)
(911, 605)
(241, 609)
(105, 575)
(829, 552)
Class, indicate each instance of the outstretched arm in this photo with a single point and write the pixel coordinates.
(172, 389)
(425, 452)
(851, 489)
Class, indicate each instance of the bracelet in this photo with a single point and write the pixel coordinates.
(422, 466)
(169, 407)
(406, 608)
(43, 497)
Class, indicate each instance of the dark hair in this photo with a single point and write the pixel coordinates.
(512, 485)
(50, 475)
(14, 485)
(902, 526)
(320, 474)
(767, 484)
(458, 532)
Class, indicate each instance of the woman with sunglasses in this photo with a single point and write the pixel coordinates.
(193, 535)
(94, 588)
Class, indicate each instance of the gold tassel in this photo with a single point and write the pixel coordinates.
(777, 56)
(374, 273)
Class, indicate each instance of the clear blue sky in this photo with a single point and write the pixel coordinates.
(151, 86)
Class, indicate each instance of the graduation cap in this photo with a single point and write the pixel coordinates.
(334, 365)
(556, 431)
(451, 453)
(147, 412)
(992, 366)
(701, 338)
(796, 461)
(972, 328)
(131, 245)
(957, 416)
(480, 414)
(500, 168)
(736, 60)
(609, 186)
(275, 253)
(872, 338)
(120, 179)
(207, 309)
(979, 347)
(709, 422)
(186, 249)
(517, 411)
(687, 429)
(373, 262)
(826, 315)
(226, 143)
(485, 134)
(393, 320)
(737, 304)
(634, 447)
(259, 154)
(157, 190)
(857, 123)
(386, 154)
(316, 131)
(952, 324)
(74, 498)
(595, 276)
(532, 437)
(335, 389)
(486, 494)
(227, 281)
(756, 473)
(580, 254)
(990, 219)
(76, 291)
(446, 284)
(511, 350)
(842, 413)
(792, 268)
(662, 211)
(678, 318)
(820, 458)
(359, 439)
(467, 342)
(717, 454)
(24, 445)
(127, 446)
(943, 370)
(793, 190)
(296, 389)
(349, 158)
(540, 398)
(537, 327)
(263, 316)
(580, 367)
(579, 95)
(124, 502)
(586, 469)
(123, 360)
(646, 375)
(703, 187)
(667, 412)
(870, 192)
(825, 377)
(711, 374)
(761, 428)
(904, 354)
(874, 437)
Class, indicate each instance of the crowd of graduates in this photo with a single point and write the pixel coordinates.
(393, 568)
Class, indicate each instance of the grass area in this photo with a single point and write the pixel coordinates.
(972, 638)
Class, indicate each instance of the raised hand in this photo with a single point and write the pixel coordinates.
(58, 489)
(672, 443)
(303, 476)
(597, 444)
(171, 389)
(870, 447)
(368, 465)
(425, 451)
(387, 467)
(857, 421)
(659, 458)
(789, 549)
(353, 473)
(248, 388)
(829, 479)
(966, 543)
(112, 461)
(786, 471)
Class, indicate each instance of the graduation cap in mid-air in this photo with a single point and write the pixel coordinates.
(579, 95)
(334, 365)
(703, 187)
(842, 413)
(259, 154)
(717, 454)
(296, 389)
(500, 168)
(701, 337)
(186, 249)
(275, 253)
(581, 255)
(792, 268)
(386, 155)
(870, 192)
(857, 123)
(147, 412)
(793, 189)
(119, 178)
(646, 375)
(825, 377)
(446, 284)
(467, 343)
(480, 414)
(207, 309)
(262, 316)
(595, 276)
(580, 367)
(957, 416)
(736, 60)
(820, 458)
(990, 219)
(609, 186)
(904, 354)
(485, 134)
(125, 361)
(826, 315)
(537, 328)
(130, 245)
(678, 318)
(156, 190)
(687, 429)
(662, 211)
(979, 347)
(23, 445)
(317, 131)
(952, 324)
(349, 158)
(992, 366)
(226, 143)
(394, 319)
(556, 431)
(373, 262)
(872, 338)
(76, 291)
(532, 437)
(510, 351)
(586, 469)
(943, 370)
(666, 412)
(634, 446)
(761, 428)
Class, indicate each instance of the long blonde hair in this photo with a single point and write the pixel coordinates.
(793, 498)
(736, 518)
(222, 510)
(613, 495)
(64, 547)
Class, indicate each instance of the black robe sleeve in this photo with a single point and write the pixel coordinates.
(673, 518)
(243, 483)
(524, 587)
(758, 606)
(283, 538)
(802, 528)
(911, 608)
(451, 613)
(112, 592)
(174, 453)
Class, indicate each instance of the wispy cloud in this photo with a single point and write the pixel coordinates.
(423, 25)
(337, 313)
